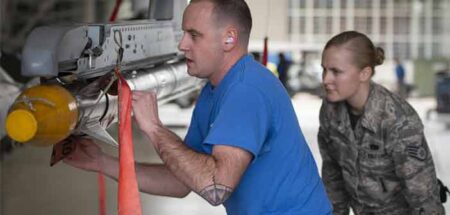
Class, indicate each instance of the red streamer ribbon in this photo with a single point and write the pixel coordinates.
(101, 194)
(115, 11)
(128, 196)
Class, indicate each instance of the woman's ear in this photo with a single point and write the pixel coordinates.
(366, 74)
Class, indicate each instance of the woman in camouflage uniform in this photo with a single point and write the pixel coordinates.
(375, 156)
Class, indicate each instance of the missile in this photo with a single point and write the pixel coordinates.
(46, 114)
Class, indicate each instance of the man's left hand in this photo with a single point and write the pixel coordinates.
(145, 109)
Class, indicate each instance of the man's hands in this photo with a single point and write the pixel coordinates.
(87, 155)
(145, 109)
(214, 177)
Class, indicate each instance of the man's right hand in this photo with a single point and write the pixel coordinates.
(87, 155)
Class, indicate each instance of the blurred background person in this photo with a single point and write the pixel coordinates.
(283, 68)
(400, 75)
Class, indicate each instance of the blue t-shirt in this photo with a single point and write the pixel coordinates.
(250, 109)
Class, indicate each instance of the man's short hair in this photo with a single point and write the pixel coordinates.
(236, 11)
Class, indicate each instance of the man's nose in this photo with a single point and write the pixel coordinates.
(182, 46)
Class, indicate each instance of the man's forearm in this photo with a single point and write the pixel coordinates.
(196, 170)
(158, 180)
(152, 178)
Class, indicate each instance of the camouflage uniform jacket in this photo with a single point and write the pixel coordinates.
(384, 165)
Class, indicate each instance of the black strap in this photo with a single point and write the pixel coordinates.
(443, 190)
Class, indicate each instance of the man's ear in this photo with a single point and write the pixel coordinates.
(230, 39)
(365, 74)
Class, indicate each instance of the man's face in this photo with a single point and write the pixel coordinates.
(202, 40)
(341, 78)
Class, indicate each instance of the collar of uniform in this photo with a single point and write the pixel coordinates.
(339, 114)
(372, 109)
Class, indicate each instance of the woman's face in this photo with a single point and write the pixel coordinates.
(341, 78)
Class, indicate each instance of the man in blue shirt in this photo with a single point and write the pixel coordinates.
(244, 147)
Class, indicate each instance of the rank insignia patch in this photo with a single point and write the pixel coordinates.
(417, 152)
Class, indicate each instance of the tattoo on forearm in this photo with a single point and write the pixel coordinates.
(216, 194)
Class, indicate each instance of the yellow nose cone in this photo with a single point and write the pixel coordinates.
(42, 115)
(21, 125)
